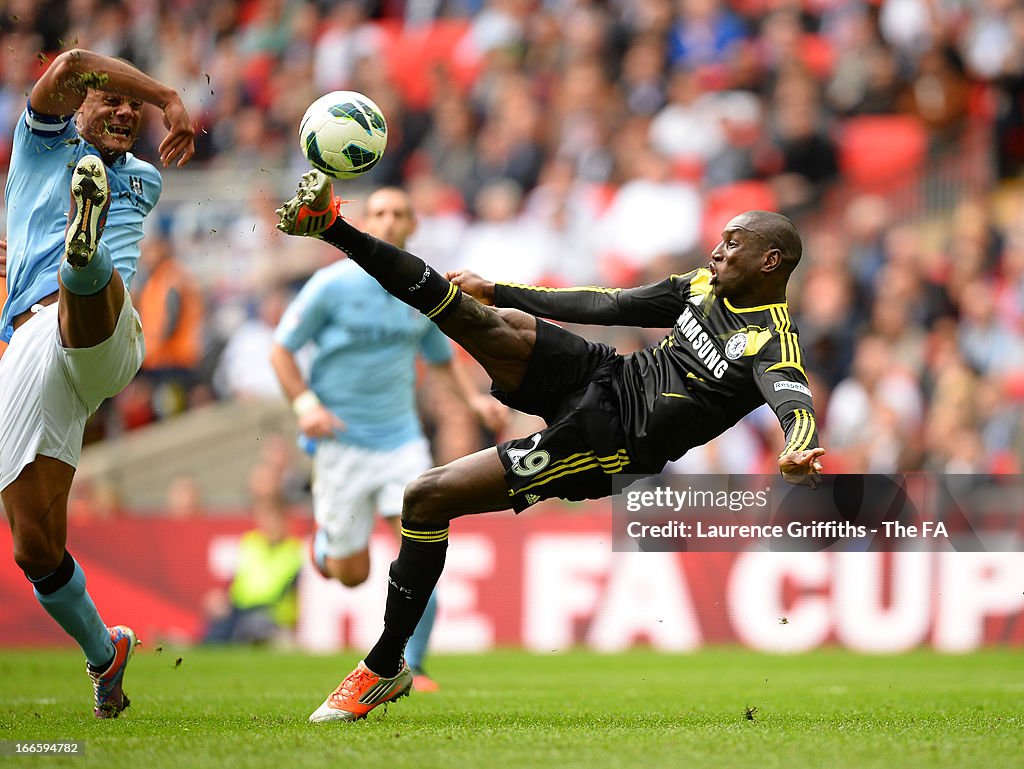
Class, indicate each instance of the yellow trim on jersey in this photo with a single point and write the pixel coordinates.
(452, 291)
(803, 431)
(782, 326)
(778, 366)
(788, 343)
(426, 536)
(755, 341)
(809, 426)
(798, 428)
(700, 283)
(578, 463)
(544, 289)
(759, 308)
(675, 395)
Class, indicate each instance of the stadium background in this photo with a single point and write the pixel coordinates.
(568, 143)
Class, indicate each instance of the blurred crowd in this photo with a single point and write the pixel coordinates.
(569, 142)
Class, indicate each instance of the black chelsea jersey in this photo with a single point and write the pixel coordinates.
(717, 364)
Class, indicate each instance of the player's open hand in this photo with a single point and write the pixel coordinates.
(802, 468)
(3, 258)
(320, 422)
(472, 284)
(179, 144)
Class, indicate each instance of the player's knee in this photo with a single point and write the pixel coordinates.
(36, 556)
(351, 580)
(352, 577)
(425, 499)
(351, 571)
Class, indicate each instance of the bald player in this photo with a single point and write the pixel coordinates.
(732, 347)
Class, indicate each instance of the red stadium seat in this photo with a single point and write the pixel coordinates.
(879, 152)
(817, 55)
(688, 169)
(413, 53)
(723, 203)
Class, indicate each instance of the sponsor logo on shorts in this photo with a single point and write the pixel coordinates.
(527, 462)
(782, 385)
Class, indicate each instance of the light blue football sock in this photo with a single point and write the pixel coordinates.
(90, 279)
(416, 648)
(74, 611)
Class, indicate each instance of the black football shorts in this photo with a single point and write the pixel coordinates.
(568, 384)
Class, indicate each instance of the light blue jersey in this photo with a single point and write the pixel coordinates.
(45, 152)
(364, 368)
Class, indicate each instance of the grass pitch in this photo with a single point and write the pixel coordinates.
(718, 708)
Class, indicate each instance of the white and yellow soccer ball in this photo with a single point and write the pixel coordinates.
(343, 134)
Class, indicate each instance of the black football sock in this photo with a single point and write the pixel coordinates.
(412, 579)
(402, 274)
(102, 668)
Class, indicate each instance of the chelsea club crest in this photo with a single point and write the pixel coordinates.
(736, 345)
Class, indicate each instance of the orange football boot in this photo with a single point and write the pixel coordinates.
(313, 209)
(360, 692)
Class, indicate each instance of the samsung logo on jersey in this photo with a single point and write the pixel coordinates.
(702, 344)
(793, 386)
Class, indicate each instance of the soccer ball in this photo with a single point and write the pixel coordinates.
(343, 134)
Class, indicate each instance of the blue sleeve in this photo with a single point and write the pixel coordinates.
(36, 133)
(153, 187)
(305, 316)
(435, 347)
(37, 124)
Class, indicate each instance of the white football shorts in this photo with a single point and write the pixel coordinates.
(48, 391)
(351, 484)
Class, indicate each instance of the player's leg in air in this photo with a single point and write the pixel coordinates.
(89, 305)
(502, 341)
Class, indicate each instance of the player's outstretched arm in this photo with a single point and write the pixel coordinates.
(802, 468)
(63, 88)
(653, 306)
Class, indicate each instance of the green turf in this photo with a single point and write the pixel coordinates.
(228, 708)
